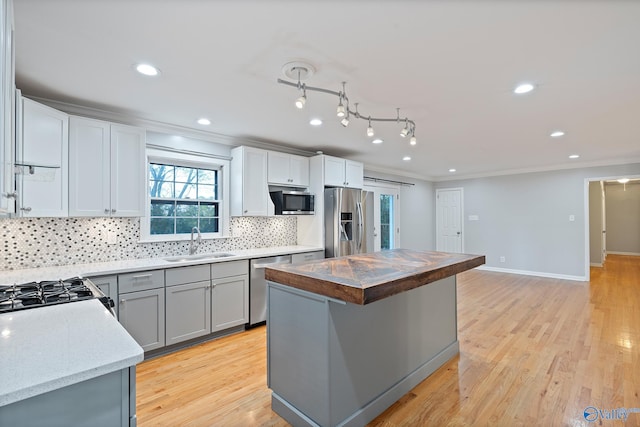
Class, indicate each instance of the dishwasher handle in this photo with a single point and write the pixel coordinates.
(269, 264)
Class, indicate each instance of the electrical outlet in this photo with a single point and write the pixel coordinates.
(572, 218)
(112, 238)
(503, 259)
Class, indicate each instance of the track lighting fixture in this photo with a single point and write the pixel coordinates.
(301, 101)
(303, 70)
(370, 131)
(405, 131)
(340, 111)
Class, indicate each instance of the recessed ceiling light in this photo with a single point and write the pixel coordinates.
(557, 134)
(406, 158)
(315, 122)
(523, 88)
(147, 70)
(574, 156)
(452, 170)
(377, 141)
(203, 121)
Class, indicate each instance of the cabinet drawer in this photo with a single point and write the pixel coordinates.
(229, 268)
(140, 281)
(191, 274)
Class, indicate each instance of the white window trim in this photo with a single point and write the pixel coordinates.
(190, 160)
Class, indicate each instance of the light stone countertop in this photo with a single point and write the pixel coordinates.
(116, 267)
(46, 348)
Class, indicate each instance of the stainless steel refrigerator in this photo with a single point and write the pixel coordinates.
(348, 221)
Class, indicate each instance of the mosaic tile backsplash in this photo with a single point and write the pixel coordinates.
(40, 242)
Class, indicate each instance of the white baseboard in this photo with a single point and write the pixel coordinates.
(535, 273)
(622, 253)
(596, 264)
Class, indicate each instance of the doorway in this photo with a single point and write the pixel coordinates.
(386, 214)
(449, 224)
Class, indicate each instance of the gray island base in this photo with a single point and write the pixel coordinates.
(336, 363)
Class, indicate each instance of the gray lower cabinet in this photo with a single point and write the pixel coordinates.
(230, 302)
(142, 313)
(105, 401)
(109, 286)
(188, 311)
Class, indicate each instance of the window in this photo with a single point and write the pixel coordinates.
(182, 198)
(185, 190)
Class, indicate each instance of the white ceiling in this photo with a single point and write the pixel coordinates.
(449, 65)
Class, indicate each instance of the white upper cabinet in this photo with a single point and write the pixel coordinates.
(342, 172)
(288, 169)
(249, 188)
(42, 161)
(7, 109)
(107, 171)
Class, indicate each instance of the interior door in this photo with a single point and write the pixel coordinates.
(386, 214)
(449, 236)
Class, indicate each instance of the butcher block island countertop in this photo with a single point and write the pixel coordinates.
(365, 278)
(347, 337)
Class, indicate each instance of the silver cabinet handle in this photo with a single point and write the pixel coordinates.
(13, 195)
(142, 276)
(246, 211)
(27, 209)
(122, 301)
(106, 211)
(113, 211)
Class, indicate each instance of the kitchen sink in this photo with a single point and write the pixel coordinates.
(194, 257)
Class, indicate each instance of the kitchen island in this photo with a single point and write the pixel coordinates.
(349, 336)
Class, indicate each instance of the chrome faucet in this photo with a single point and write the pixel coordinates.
(193, 245)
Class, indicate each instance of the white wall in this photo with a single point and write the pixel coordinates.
(623, 218)
(525, 218)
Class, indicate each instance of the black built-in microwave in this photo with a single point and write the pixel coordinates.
(292, 202)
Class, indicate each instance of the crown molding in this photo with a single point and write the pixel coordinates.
(163, 127)
(564, 166)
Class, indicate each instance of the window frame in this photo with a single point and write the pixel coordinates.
(203, 161)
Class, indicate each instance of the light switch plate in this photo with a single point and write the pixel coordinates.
(112, 238)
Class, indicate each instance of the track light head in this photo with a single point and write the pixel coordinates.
(301, 101)
(370, 131)
(340, 111)
(413, 140)
(404, 132)
(345, 121)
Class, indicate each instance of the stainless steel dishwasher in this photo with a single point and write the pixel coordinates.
(258, 287)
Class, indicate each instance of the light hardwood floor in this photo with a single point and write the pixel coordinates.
(533, 352)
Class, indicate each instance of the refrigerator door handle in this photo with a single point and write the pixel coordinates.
(360, 226)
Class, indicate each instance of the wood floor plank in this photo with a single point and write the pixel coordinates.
(533, 352)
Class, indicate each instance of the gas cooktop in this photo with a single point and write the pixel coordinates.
(37, 294)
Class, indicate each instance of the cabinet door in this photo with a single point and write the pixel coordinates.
(89, 167)
(354, 174)
(128, 171)
(188, 311)
(299, 170)
(7, 109)
(255, 191)
(44, 147)
(109, 286)
(142, 315)
(278, 168)
(230, 302)
(334, 171)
